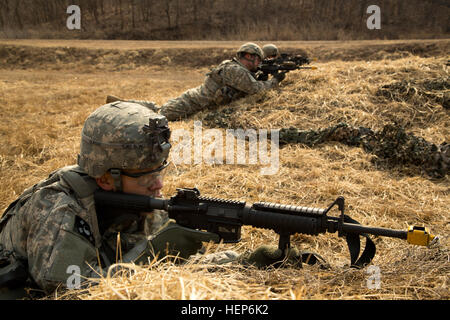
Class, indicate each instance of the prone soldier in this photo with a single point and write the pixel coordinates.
(56, 225)
(230, 80)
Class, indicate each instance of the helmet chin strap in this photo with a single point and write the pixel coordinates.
(115, 173)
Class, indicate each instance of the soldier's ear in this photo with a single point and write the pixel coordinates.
(106, 182)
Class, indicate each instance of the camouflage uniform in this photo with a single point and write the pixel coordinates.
(229, 81)
(55, 224)
(53, 227)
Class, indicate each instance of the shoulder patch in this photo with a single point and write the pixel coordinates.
(82, 228)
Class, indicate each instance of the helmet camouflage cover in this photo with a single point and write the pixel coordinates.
(251, 48)
(123, 135)
(270, 50)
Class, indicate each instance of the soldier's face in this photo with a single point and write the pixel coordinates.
(256, 63)
(147, 184)
(251, 61)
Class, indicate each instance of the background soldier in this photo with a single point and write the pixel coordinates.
(270, 51)
(231, 80)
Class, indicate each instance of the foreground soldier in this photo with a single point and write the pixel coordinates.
(231, 80)
(54, 227)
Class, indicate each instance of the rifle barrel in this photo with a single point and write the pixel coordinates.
(359, 229)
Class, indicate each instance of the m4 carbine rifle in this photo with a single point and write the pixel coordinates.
(226, 217)
(284, 63)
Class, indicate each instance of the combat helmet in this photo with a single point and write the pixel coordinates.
(123, 135)
(251, 48)
(270, 50)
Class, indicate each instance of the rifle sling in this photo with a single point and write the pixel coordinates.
(353, 243)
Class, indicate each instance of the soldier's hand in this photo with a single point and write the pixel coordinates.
(176, 240)
(263, 77)
(280, 76)
(265, 256)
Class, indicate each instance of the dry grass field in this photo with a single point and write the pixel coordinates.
(48, 88)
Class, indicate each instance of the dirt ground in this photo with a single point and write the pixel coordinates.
(48, 88)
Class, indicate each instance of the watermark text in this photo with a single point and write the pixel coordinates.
(211, 146)
(374, 20)
(73, 21)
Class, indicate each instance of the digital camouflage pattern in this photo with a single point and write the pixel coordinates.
(392, 145)
(51, 229)
(229, 81)
(103, 146)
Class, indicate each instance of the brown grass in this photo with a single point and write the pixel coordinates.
(42, 113)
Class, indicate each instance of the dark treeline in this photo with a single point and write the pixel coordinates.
(225, 19)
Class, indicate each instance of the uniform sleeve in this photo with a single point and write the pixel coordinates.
(237, 77)
(56, 253)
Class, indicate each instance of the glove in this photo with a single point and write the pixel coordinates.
(279, 76)
(262, 77)
(179, 241)
(265, 256)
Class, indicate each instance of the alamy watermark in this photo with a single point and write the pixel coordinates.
(211, 146)
(73, 21)
(374, 20)
(374, 280)
(74, 279)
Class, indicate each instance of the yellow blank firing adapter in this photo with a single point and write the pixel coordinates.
(420, 236)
